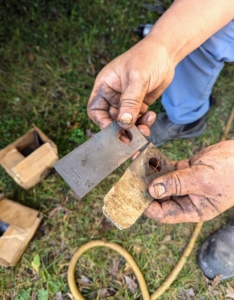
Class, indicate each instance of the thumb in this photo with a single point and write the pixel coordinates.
(186, 181)
(132, 97)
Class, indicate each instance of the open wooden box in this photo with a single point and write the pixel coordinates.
(18, 224)
(30, 158)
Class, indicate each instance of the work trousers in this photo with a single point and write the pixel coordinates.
(187, 97)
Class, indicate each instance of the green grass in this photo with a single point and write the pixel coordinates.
(51, 52)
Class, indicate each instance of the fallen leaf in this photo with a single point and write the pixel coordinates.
(230, 291)
(214, 292)
(83, 282)
(59, 296)
(115, 267)
(135, 38)
(131, 284)
(137, 248)
(74, 195)
(92, 67)
(104, 61)
(230, 295)
(72, 126)
(58, 208)
(105, 225)
(216, 281)
(128, 269)
(70, 296)
(190, 292)
(104, 293)
(167, 238)
(36, 263)
(31, 57)
(212, 284)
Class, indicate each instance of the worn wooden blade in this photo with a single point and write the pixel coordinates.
(94, 160)
(129, 197)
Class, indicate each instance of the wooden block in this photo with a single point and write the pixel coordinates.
(13, 158)
(35, 163)
(30, 167)
(12, 213)
(23, 222)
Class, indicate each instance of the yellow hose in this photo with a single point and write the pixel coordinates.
(144, 290)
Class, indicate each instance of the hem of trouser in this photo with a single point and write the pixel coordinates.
(191, 120)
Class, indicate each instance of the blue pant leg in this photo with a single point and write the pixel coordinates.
(187, 98)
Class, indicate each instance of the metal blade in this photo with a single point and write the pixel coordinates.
(94, 160)
(129, 197)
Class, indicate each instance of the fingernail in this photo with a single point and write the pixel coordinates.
(126, 118)
(150, 118)
(159, 190)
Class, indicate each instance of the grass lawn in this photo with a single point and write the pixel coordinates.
(51, 52)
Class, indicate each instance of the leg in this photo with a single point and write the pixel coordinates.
(186, 100)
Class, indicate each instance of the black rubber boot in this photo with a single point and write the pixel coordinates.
(216, 255)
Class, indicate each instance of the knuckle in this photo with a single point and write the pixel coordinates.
(136, 75)
(130, 103)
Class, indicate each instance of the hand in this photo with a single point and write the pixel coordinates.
(198, 190)
(126, 87)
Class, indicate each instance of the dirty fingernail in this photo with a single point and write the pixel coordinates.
(126, 118)
(150, 118)
(159, 190)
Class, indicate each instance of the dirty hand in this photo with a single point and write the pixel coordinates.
(198, 190)
(125, 87)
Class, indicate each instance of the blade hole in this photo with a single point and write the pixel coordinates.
(125, 136)
(154, 164)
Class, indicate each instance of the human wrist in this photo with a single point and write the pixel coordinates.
(188, 24)
(176, 43)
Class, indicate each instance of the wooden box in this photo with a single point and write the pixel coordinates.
(30, 158)
(18, 224)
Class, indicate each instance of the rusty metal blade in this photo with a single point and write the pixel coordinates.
(94, 160)
(129, 197)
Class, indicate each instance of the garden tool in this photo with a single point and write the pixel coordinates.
(90, 163)
(93, 161)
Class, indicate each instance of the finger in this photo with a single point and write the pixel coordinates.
(172, 211)
(134, 90)
(134, 156)
(147, 119)
(182, 164)
(191, 208)
(103, 105)
(174, 162)
(124, 136)
(144, 130)
(113, 112)
(192, 180)
(98, 111)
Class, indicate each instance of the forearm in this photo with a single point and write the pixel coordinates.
(187, 24)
